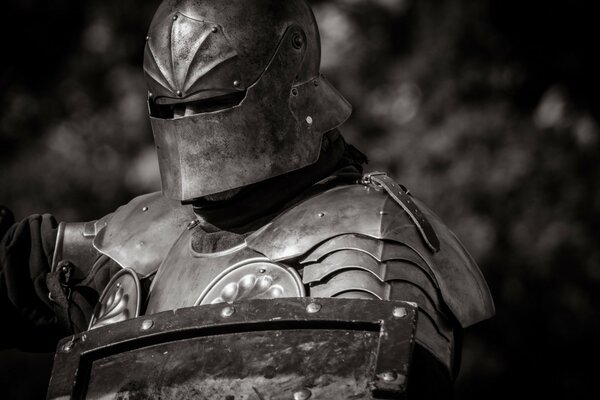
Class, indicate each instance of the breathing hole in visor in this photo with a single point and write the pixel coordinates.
(184, 109)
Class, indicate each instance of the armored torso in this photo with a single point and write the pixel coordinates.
(352, 241)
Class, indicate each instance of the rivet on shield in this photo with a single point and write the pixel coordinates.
(227, 312)
(399, 312)
(144, 208)
(302, 394)
(147, 324)
(309, 120)
(313, 308)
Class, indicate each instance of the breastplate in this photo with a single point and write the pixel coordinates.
(188, 278)
(351, 240)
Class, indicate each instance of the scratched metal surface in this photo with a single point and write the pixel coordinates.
(257, 365)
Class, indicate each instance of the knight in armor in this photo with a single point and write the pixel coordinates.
(261, 199)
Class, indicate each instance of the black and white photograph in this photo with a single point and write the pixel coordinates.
(299, 199)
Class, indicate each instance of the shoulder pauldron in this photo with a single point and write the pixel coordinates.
(364, 219)
(139, 234)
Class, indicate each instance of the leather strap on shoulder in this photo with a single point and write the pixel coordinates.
(402, 197)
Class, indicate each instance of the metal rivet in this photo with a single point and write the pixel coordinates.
(192, 224)
(150, 94)
(388, 376)
(302, 394)
(68, 346)
(147, 38)
(313, 308)
(147, 324)
(214, 29)
(309, 120)
(294, 92)
(236, 83)
(262, 270)
(174, 17)
(118, 284)
(144, 209)
(179, 94)
(227, 312)
(83, 338)
(399, 312)
(382, 212)
(321, 214)
(297, 41)
(316, 82)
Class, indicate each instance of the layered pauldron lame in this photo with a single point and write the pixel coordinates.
(355, 266)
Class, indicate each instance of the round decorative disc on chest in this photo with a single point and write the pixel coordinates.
(119, 301)
(253, 279)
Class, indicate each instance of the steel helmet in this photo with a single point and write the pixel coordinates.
(234, 93)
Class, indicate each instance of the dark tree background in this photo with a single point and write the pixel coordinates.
(487, 110)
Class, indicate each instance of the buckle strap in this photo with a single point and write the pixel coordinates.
(402, 196)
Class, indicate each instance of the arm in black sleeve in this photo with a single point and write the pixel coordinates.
(29, 320)
(39, 306)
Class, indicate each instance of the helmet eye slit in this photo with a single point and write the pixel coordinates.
(185, 109)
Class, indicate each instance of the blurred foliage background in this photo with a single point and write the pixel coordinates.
(486, 110)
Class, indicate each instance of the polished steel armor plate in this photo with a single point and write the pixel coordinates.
(119, 301)
(253, 279)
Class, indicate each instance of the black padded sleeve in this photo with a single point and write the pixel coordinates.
(37, 306)
(28, 317)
